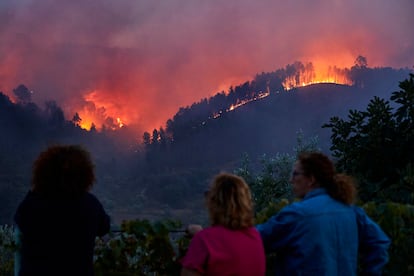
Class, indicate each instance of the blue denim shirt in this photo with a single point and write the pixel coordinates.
(321, 236)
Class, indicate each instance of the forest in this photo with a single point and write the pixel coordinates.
(170, 168)
(366, 127)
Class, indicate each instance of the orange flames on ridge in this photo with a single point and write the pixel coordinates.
(308, 75)
(100, 111)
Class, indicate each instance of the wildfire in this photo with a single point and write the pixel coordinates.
(98, 113)
(86, 123)
(119, 122)
(261, 95)
(232, 107)
(299, 74)
(308, 74)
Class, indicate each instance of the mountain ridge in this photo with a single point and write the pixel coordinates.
(174, 167)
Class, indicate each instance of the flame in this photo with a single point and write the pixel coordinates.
(232, 107)
(309, 74)
(259, 96)
(86, 123)
(302, 75)
(119, 122)
(100, 113)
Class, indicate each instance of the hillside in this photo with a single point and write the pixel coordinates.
(267, 126)
(177, 171)
(167, 175)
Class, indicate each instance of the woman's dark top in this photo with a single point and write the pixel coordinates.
(58, 235)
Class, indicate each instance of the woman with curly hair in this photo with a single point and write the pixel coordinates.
(59, 218)
(324, 233)
(231, 245)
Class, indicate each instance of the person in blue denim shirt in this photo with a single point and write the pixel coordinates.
(324, 233)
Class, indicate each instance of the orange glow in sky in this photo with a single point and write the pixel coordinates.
(137, 62)
(100, 112)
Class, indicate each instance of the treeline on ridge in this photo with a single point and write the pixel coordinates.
(174, 164)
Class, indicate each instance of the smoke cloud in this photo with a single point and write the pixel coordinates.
(141, 60)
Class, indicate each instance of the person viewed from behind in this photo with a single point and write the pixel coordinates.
(59, 218)
(324, 233)
(231, 245)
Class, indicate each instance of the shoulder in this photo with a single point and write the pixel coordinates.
(214, 232)
(294, 210)
(90, 196)
(283, 220)
(319, 202)
(92, 205)
(201, 238)
(211, 230)
(363, 220)
(28, 202)
(91, 199)
(359, 211)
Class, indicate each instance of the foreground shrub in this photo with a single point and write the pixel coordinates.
(7, 249)
(397, 220)
(142, 248)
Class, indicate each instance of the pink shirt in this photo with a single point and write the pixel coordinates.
(218, 250)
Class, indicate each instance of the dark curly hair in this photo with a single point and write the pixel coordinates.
(63, 171)
(339, 186)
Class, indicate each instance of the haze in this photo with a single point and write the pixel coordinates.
(140, 60)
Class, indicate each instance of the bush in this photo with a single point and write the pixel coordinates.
(7, 249)
(271, 181)
(142, 248)
(397, 221)
(155, 248)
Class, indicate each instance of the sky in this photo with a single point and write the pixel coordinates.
(141, 60)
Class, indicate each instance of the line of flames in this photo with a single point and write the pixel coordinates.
(304, 78)
(332, 75)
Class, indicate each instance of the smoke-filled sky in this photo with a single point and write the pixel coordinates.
(140, 60)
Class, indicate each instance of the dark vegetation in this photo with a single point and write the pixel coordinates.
(169, 171)
(376, 146)
(195, 141)
(368, 127)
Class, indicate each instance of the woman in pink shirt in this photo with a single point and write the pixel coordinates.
(231, 245)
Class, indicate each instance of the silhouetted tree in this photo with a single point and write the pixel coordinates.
(359, 71)
(162, 139)
(55, 114)
(76, 119)
(377, 145)
(146, 139)
(361, 62)
(23, 94)
(155, 137)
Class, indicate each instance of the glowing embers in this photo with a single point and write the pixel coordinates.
(308, 75)
(99, 113)
(119, 122)
(259, 96)
(232, 107)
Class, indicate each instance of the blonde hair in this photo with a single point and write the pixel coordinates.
(229, 202)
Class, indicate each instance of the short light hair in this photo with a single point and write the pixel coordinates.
(229, 202)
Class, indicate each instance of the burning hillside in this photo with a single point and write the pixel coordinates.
(303, 75)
